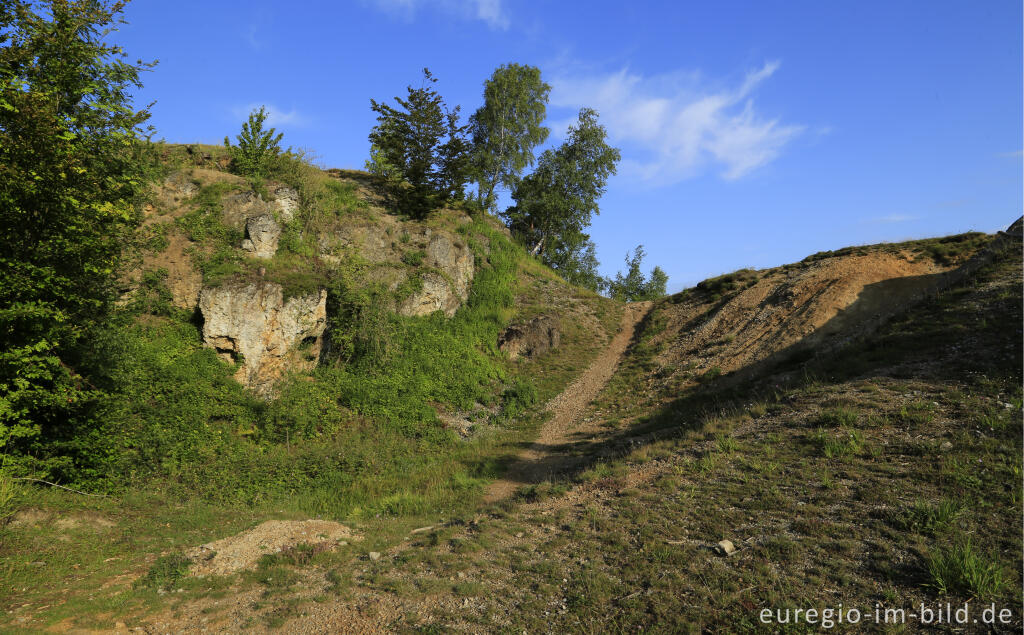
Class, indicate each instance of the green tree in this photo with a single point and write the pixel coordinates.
(419, 149)
(633, 287)
(257, 148)
(507, 128)
(556, 201)
(69, 180)
(574, 257)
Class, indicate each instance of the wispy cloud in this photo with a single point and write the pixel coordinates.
(673, 126)
(275, 116)
(489, 11)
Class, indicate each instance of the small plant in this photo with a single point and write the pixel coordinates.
(726, 444)
(165, 572)
(257, 148)
(838, 417)
(962, 570)
(413, 258)
(928, 518)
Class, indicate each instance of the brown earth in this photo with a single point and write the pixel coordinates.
(540, 461)
(788, 309)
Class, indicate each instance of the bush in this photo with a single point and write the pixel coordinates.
(257, 149)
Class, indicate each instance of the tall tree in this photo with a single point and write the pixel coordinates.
(68, 183)
(507, 127)
(422, 144)
(556, 201)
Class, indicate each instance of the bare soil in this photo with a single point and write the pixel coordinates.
(540, 460)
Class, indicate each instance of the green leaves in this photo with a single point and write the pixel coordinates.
(419, 150)
(507, 128)
(257, 148)
(633, 287)
(554, 204)
(68, 188)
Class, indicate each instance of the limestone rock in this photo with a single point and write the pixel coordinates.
(239, 207)
(530, 339)
(263, 233)
(725, 548)
(271, 336)
(435, 294)
(286, 202)
(454, 260)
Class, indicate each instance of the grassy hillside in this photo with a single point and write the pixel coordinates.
(182, 447)
(884, 474)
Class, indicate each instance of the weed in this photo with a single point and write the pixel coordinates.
(165, 572)
(928, 518)
(962, 570)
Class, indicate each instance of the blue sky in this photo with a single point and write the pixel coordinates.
(752, 133)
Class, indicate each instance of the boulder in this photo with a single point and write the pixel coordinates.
(262, 233)
(530, 339)
(252, 322)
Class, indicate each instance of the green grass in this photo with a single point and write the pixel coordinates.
(962, 569)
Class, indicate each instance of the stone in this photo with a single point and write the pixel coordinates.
(238, 208)
(447, 288)
(263, 234)
(286, 203)
(530, 339)
(374, 555)
(252, 322)
(946, 446)
(725, 548)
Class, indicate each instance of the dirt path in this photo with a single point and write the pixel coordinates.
(539, 460)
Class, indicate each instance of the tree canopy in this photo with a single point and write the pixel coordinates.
(633, 287)
(419, 150)
(507, 127)
(68, 181)
(555, 203)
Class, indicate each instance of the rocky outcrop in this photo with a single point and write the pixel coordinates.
(530, 339)
(286, 202)
(253, 323)
(447, 288)
(262, 234)
(444, 262)
(239, 207)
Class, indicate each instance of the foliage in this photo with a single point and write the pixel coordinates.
(418, 150)
(556, 201)
(574, 257)
(507, 127)
(963, 570)
(68, 183)
(165, 572)
(633, 287)
(257, 149)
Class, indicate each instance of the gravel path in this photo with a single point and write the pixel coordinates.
(537, 462)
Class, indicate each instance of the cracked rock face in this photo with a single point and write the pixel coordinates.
(263, 233)
(271, 336)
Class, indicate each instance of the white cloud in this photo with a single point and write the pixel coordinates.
(672, 126)
(275, 115)
(489, 11)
